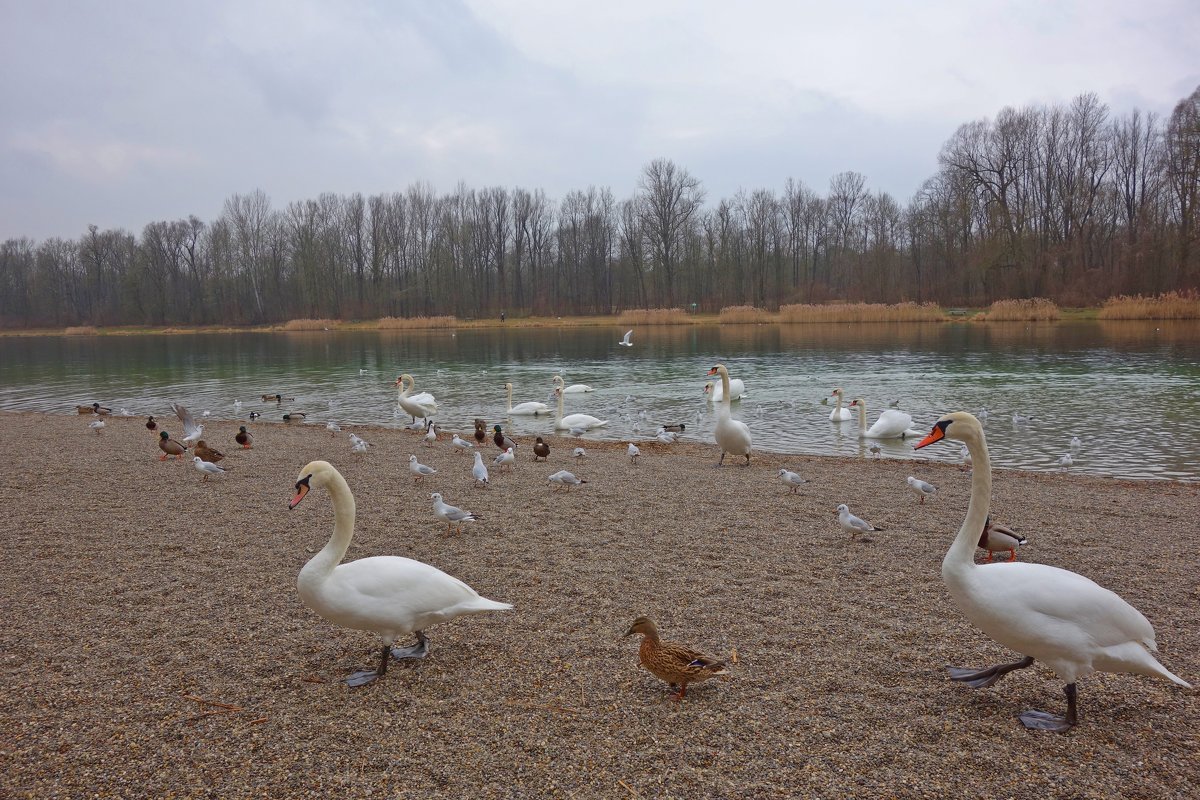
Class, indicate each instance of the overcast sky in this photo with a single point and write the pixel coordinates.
(122, 113)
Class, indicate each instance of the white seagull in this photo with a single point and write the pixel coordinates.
(97, 426)
(1066, 461)
(1075, 443)
(579, 452)
(854, 524)
(479, 470)
(451, 515)
(505, 459)
(665, 436)
(627, 340)
(791, 479)
(564, 478)
(420, 471)
(921, 488)
(633, 452)
(191, 431)
(461, 445)
(431, 435)
(206, 468)
(333, 428)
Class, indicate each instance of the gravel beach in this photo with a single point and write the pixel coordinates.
(155, 644)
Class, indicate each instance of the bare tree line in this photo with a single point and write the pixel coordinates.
(1066, 202)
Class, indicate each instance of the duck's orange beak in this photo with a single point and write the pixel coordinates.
(935, 435)
(301, 490)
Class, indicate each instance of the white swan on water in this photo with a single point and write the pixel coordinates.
(732, 435)
(840, 413)
(524, 409)
(715, 392)
(392, 596)
(574, 388)
(892, 424)
(1063, 619)
(584, 421)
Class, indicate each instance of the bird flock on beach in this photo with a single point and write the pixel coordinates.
(1044, 613)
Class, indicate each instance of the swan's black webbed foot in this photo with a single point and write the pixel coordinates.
(418, 650)
(362, 677)
(983, 678)
(1045, 721)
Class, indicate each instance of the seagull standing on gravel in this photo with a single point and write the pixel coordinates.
(921, 488)
(461, 445)
(791, 479)
(333, 428)
(875, 449)
(854, 524)
(479, 471)
(627, 339)
(505, 459)
(97, 426)
(564, 478)
(431, 435)
(451, 515)
(420, 471)
(207, 468)
(633, 452)
(579, 452)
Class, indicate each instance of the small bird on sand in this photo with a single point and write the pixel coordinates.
(169, 446)
(579, 452)
(852, 523)
(420, 471)
(791, 479)
(207, 468)
(479, 471)
(206, 453)
(540, 449)
(151, 424)
(97, 426)
(451, 515)
(460, 444)
(564, 478)
(997, 538)
(505, 460)
(921, 489)
(502, 441)
(674, 663)
(431, 434)
(244, 437)
(633, 452)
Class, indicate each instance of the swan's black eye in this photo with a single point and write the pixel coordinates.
(304, 482)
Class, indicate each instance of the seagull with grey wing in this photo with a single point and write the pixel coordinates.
(627, 339)
(855, 525)
(207, 468)
(792, 480)
(921, 488)
(565, 479)
(451, 515)
(420, 471)
(191, 431)
(479, 471)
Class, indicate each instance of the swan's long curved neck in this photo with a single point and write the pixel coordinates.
(838, 395)
(726, 400)
(343, 528)
(960, 557)
(862, 417)
(560, 403)
(509, 388)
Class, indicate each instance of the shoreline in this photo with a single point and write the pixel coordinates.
(140, 596)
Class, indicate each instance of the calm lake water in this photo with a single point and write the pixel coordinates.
(1129, 391)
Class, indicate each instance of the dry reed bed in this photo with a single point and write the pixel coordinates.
(407, 323)
(1172, 305)
(744, 314)
(311, 325)
(1036, 309)
(139, 596)
(861, 312)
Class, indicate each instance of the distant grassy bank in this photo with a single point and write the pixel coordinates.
(1168, 306)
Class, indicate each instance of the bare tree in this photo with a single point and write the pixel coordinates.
(670, 198)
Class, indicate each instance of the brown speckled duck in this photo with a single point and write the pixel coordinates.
(244, 437)
(169, 446)
(540, 449)
(206, 453)
(674, 663)
(151, 424)
(480, 431)
(997, 538)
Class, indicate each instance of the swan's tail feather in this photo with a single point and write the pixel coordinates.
(483, 604)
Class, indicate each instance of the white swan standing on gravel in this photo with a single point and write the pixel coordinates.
(392, 596)
(524, 409)
(584, 421)
(892, 424)
(418, 405)
(840, 413)
(1063, 619)
(732, 435)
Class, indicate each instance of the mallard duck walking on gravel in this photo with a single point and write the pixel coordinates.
(674, 663)
(169, 447)
(244, 437)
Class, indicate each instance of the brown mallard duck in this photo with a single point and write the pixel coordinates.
(244, 437)
(297, 416)
(502, 441)
(480, 431)
(101, 410)
(85, 409)
(206, 453)
(674, 663)
(540, 449)
(997, 538)
(169, 446)
(151, 424)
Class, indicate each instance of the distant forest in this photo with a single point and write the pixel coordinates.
(1067, 202)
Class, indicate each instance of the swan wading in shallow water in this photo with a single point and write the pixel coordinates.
(524, 409)
(732, 435)
(392, 596)
(892, 424)
(840, 414)
(584, 421)
(418, 405)
(1074, 626)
